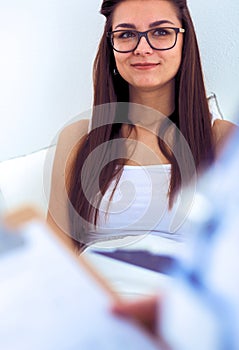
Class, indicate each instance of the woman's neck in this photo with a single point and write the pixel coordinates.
(162, 100)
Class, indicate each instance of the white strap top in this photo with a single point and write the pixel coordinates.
(140, 206)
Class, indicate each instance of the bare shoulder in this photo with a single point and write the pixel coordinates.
(73, 133)
(69, 142)
(222, 131)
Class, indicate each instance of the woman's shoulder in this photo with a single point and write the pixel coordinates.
(222, 130)
(70, 139)
(74, 132)
(72, 135)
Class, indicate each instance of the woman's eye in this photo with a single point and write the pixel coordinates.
(126, 35)
(160, 32)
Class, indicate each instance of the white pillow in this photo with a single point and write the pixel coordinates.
(21, 181)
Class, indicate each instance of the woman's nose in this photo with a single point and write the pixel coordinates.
(143, 47)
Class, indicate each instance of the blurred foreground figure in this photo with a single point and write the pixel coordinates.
(202, 309)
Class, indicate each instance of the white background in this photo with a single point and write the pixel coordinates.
(47, 50)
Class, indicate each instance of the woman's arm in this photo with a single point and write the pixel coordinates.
(222, 132)
(68, 143)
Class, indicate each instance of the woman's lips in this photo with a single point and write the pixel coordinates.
(143, 66)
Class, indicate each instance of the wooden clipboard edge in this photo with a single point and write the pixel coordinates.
(20, 216)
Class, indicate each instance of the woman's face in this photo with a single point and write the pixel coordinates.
(147, 69)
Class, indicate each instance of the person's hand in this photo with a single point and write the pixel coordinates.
(144, 311)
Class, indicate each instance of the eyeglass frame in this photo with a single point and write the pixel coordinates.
(144, 34)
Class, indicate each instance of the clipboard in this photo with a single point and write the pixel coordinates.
(20, 217)
(52, 299)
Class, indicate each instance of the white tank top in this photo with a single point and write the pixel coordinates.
(138, 207)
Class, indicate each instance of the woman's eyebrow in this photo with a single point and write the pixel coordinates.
(158, 23)
(125, 25)
(151, 25)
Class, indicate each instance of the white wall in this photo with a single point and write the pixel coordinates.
(216, 23)
(47, 49)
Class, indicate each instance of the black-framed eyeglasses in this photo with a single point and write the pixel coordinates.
(127, 40)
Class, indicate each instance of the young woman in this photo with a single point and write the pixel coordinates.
(123, 174)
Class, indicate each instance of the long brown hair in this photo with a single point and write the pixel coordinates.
(191, 116)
